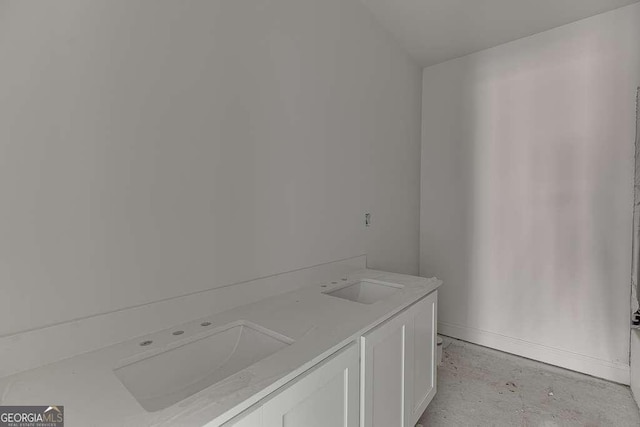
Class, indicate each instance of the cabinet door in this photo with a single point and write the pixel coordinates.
(383, 383)
(329, 395)
(420, 386)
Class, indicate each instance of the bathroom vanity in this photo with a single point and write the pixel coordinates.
(359, 350)
(385, 378)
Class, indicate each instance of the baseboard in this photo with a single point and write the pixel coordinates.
(617, 372)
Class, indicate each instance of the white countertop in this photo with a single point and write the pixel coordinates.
(319, 324)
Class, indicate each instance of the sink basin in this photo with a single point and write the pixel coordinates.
(366, 291)
(165, 378)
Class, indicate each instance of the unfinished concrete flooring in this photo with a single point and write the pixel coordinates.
(478, 386)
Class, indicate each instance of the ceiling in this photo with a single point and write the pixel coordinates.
(434, 31)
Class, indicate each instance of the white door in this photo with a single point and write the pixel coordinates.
(327, 396)
(384, 362)
(421, 351)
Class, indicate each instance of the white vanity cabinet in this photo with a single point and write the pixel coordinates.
(386, 381)
(328, 395)
(398, 366)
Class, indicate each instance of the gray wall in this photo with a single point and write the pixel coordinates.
(151, 149)
(527, 193)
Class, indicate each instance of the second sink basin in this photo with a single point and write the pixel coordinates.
(170, 376)
(366, 291)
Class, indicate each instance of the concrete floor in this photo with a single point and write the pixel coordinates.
(478, 386)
